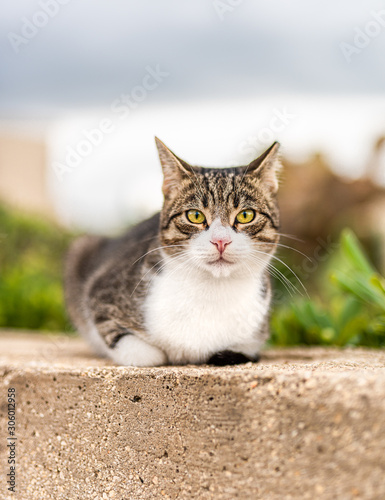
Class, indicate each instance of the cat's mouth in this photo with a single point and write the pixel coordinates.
(221, 260)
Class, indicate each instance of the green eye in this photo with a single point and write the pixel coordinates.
(195, 216)
(245, 216)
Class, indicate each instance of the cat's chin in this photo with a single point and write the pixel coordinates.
(220, 268)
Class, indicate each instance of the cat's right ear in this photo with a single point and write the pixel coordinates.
(174, 169)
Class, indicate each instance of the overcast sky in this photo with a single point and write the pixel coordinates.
(91, 51)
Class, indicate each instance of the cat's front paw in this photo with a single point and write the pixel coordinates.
(224, 358)
(131, 350)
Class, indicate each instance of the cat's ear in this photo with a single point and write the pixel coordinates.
(174, 169)
(267, 167)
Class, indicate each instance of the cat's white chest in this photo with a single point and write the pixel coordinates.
(192, 318)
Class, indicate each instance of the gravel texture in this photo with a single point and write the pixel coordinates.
(304, 423)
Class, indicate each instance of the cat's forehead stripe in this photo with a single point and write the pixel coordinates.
(211, 190)
(218, 192)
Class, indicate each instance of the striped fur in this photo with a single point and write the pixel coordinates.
(148, 297)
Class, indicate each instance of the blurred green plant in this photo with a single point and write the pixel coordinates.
(31, 256)
(349, 309)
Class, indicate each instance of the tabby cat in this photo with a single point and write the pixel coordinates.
(191, 283)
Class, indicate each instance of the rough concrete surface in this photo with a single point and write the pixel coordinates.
(302, 423)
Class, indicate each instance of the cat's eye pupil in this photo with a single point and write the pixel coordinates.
(245, 216)
(195, 216)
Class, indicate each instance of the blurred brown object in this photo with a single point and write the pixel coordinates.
(316, 204)
(23, 174)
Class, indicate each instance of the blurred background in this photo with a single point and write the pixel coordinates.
(85, 86)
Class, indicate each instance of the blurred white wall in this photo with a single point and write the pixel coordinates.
(101, 180)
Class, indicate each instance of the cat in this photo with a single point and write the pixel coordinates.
(190, 284)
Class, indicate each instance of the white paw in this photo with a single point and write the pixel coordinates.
(133, 351)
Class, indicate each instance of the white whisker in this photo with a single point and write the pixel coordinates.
(291, 237)
(290, 287)
(290, 248)
(158, 271)
(157, 263)
(284, 264)
(155, 249)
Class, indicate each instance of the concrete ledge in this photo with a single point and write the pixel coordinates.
(303, 423)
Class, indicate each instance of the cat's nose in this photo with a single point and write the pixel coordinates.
(221, 243)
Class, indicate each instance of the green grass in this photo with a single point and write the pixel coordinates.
(348, 307)
(31, 256)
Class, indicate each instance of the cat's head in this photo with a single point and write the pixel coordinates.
(222, 221)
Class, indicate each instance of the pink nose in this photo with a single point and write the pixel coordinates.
(221, 243)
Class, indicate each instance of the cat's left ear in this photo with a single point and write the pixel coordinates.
(267, 167)
(174, 169)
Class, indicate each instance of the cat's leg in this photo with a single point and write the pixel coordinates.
(123, 346)
(120, 341)
(130, 350)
